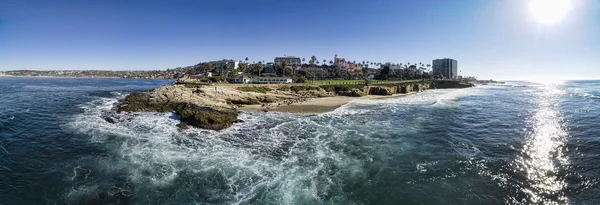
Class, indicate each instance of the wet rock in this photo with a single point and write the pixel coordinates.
(110, 120)
(193, 115)
(238, 121)
(183, 126)
(206, 117)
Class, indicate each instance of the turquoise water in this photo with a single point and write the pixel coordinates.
(522, 143)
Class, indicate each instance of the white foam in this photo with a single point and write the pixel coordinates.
(286, 154)
(148, 148)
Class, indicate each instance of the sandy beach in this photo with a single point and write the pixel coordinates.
(316, 105)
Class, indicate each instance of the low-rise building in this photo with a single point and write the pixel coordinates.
(269, 80)
(289, 60)
(242, 79)
(269, 68)
(272, 80)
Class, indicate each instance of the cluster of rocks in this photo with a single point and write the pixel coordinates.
(213, 118)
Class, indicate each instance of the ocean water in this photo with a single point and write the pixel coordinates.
(520, 143)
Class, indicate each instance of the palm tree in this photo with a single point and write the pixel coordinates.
(312, 61)
(303, 60)
(246, 59)
(330, 62)
(324, 61)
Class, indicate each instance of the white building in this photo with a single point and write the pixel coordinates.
(272, 80)
(268, 80)
(232, 64)
(242, 79)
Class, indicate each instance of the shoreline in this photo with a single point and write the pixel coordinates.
(315, 105)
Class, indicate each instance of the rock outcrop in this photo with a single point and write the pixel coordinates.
(206, 117)
(381, 91)
(352, 93)
(451, 84)
(191, 114)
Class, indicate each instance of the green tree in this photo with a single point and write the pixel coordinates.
(303, 60)
(246, 59)
(330, 62)
(384, 73)
(278, 69)
(312, 61)
(306, 74)
(257, 68)
(243, 67)
(287, 72)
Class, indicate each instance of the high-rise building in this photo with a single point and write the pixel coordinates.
(448, 68)
(289, 60)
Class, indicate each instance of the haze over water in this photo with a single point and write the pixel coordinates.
(522, 143)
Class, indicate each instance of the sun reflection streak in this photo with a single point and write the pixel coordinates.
(542, 156)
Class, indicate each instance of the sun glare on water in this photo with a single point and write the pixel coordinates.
(549, 11)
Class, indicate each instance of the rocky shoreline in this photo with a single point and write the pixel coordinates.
(216, 107)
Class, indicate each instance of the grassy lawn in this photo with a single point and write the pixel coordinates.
(354, 82)
(336, 82)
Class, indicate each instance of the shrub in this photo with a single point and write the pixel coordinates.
(300, 80)
(284, 88)
(297, 88)
(259, 89)
(215, 79)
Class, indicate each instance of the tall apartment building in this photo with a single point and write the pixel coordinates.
(448, 68)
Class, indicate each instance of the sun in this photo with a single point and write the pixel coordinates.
(549, 11)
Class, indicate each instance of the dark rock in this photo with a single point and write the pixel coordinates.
(379, 91)
(183, 126)
(140, 102)
(110, 120)
(352, 93)
(238, 121)
(405, 89)
(194, 115)
(451, 84)
(197, 91)
(244, 101)
(206, 117)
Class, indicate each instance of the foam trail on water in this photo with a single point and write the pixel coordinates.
(279, 155)
(270, 158)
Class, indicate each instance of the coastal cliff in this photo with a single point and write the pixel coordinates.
(210, 107)
(216, 107)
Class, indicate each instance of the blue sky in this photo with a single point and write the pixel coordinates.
(489, 38)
